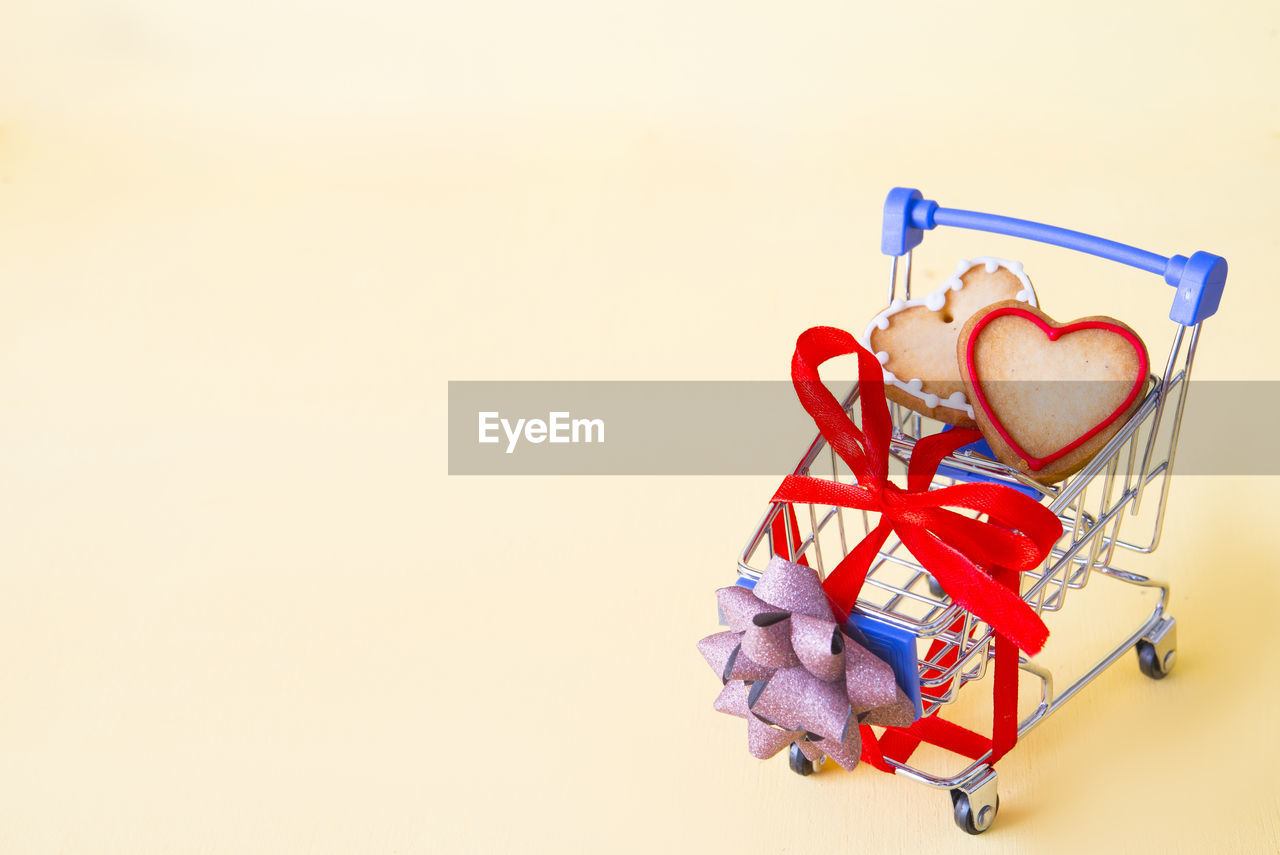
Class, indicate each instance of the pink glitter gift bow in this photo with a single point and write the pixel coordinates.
(793, 673)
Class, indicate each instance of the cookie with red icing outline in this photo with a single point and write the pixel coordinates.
(1047, 395)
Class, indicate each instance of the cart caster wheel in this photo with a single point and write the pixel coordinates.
(1149, 661)
(800, 764)
(976, 802)
(969, 820)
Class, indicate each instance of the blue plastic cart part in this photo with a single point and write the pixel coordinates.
(1198, 280)
(981, 447)
(896, 646)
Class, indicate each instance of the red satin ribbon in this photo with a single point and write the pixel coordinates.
(958, 550)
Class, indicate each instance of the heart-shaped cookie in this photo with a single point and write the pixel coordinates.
(1048, 396)
(915, 340)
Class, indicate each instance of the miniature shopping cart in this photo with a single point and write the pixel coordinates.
(952, 647)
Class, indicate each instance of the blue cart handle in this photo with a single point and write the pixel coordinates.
(1199, 280)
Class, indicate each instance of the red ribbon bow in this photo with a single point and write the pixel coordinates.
(961, 552)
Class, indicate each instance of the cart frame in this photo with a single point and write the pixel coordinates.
(954, 646)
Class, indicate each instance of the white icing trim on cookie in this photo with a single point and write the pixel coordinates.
(934, 301)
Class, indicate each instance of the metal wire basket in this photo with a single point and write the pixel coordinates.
(955, 647)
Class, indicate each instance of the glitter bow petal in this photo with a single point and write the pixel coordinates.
(793, 672)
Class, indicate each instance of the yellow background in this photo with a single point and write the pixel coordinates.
(244, 245)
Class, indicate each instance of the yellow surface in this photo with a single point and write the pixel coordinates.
(244, 245)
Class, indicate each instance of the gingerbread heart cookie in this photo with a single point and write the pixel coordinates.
(915, 340)
(1048, 396)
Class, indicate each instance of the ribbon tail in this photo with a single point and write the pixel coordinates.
(844, 582)
(785, 530)
(1004, 699)
(928, 454)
